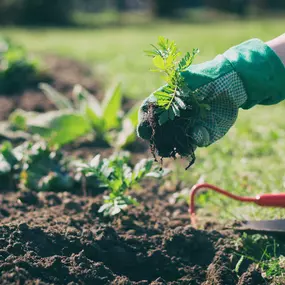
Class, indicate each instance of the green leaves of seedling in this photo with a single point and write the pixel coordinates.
(34, 166)
(165, 49)
(187, 60)
(118, 176)
(87, 114)
(57, 127)
(159, 62)
(111, 107)
(171, 98)
(170, 104)
(83, 115)
(59, 100)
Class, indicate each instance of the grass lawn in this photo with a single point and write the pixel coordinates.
(249, 160)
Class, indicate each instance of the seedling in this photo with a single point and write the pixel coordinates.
(107, 119)
(118, 176)
(263, 200)
(34, 166)
(79, 117)
(176, 107)
(170, 98)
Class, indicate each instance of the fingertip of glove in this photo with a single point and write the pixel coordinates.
(144, 130)
(201, 136)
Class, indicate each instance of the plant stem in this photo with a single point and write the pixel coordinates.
(171, 100)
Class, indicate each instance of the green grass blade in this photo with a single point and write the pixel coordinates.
(84, 99)
(59, 100)
(132, 114)
(111, 107)
(88, 104)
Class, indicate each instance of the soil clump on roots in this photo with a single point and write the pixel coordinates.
(171, 138)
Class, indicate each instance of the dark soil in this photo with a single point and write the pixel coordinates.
(87, 148)
(59, 238)
(162, 144)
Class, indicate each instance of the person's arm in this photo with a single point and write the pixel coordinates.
(278, 45)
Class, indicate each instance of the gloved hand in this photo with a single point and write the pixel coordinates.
(244, 76)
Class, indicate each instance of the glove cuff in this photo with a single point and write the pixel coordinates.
(261, 71)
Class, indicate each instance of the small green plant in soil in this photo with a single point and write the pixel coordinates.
(176, 108)
(17, 69)
(81, 116)
(265, 251)
(118, 176)
(34, 166)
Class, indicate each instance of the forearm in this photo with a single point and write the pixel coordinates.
(278, 45)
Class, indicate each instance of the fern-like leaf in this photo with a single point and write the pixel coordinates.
(171, 98)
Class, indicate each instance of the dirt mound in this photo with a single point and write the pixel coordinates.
(59, 238)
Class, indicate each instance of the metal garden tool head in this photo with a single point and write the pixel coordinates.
(264, 200)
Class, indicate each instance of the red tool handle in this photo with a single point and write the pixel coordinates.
(271, 200)
(265, 200)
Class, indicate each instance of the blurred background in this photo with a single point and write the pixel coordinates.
(110, 36)
(62, 12)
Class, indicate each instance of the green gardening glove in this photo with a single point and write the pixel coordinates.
(244, 76)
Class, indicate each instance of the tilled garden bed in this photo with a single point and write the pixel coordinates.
(59, 238)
